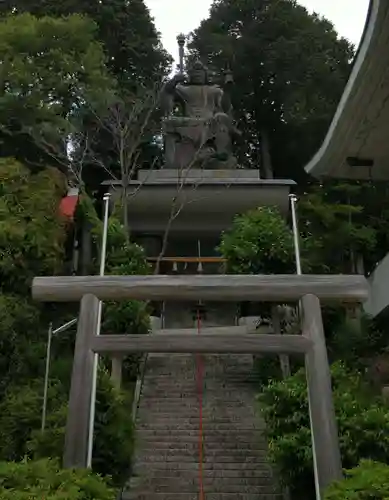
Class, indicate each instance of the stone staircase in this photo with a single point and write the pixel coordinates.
(167, 435)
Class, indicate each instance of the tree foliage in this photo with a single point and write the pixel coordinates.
(50, 69)
(290, 69)
(32, 233)
(345, 221)
(259, 242)
(369, 480)
(113, 443)
(21, 434)
(363, 422)
(131, 43)
(45, 479)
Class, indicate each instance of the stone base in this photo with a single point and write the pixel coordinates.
(198, 175)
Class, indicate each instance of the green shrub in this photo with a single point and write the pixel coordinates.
(123, 258)
(259, 241)
(363, 423)
(43, 479)
(354, 342)
(113, 445)
(19, 332)
(20, 414)
(368, 481)
(267, 369)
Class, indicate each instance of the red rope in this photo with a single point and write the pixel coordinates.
(200, 385)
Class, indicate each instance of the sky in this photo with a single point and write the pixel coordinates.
(348, 17)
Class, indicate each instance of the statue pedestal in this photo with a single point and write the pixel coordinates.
(204, 201)
(193, 175)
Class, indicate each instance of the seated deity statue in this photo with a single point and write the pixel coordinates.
(202, 136)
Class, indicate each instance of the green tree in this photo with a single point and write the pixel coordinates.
(126, 30)
(32, 243)
(345, 222)
(32, 233)
(50, 69)
(290, 69)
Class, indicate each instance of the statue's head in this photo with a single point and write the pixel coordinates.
(198, 73)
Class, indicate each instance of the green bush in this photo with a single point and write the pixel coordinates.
(123, 258)
(113, 445)
(43, 479)
(20, 414)
(355, 342)
(19, 329)
(267, 369)
(368, 481)
(259, 242)
(363, 423)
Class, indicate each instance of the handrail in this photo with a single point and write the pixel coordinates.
(138, 388)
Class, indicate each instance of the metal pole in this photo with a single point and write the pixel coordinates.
(296, 237)
(51, 333)
(65, 326)
(46, 386)
(96, 357)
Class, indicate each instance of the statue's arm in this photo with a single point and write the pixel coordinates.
(219, 100)
(169, 93)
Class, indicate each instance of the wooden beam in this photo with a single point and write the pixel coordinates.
(77, 424)
(189, 260)
(325, 442)
(201, 343)
(218, 330)
(266, 288)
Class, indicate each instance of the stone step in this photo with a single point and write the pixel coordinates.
(236, 455)
(176, 410)
(214, 484)
(194, 445)
(194, 466)
(193, 399)
(209, 435)
(209, 414)
(151, 495)
(178, 426)
(210, 421)
(182, 408)
(220, 394)
(225, 486)
(211, 474)
(209, 376)
(210, 458)
(166, 458)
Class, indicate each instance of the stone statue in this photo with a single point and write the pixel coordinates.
(202, 136)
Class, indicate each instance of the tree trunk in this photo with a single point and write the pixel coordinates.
(284, 359)
(354, 311)
(267, 167)
(116, 371)
(86, 248)
(125, 210)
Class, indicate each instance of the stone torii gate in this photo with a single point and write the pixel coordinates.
(310, 290)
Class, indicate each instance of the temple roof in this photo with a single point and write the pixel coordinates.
(357, 143)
